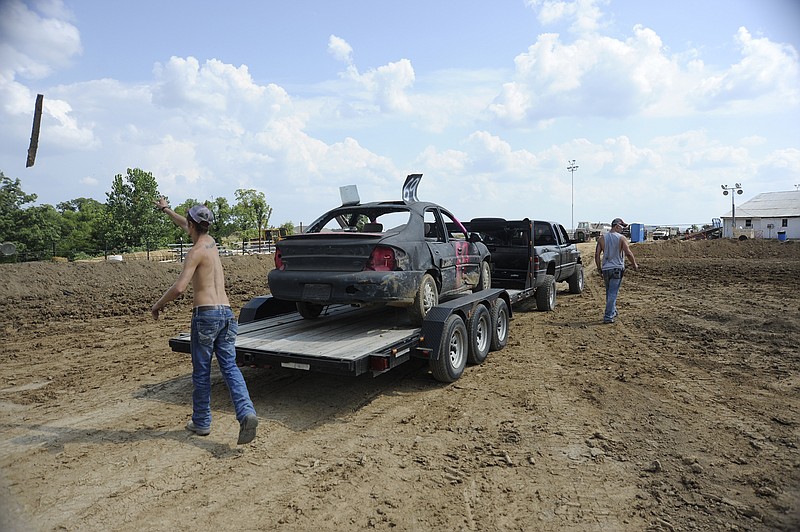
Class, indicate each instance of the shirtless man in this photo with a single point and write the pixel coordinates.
(214, 327)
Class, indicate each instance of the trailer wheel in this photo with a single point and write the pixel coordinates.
(485, 280)
(308, 310)
(427, 297)
(479, 327)
(576, 280)
(580, 237)
(452, 351)
(546, 294)
(499, 325)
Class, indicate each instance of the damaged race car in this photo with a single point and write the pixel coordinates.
(406, 253)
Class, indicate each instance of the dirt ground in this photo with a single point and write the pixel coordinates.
(683, 415)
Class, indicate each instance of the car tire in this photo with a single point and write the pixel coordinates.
(479, 327)
(308, 310)
(485, 279)
(500, 320)
(576, 280)
(452, 351)
(546, 294)
(426, 298)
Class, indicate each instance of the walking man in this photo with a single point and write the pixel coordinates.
(613, 247)
(214, 327)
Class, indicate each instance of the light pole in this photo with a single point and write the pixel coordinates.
(571, 168)
(725, 191)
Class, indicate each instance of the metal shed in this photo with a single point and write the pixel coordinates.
(767, 215)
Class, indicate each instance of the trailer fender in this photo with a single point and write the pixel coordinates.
(265, 307)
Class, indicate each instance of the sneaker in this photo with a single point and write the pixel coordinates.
(200, 431)
(247, 429)
(609, 321)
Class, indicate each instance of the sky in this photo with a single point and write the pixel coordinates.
(659, 104)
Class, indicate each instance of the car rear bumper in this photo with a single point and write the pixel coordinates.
(345, 287)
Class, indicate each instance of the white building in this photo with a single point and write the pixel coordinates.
(766, 215)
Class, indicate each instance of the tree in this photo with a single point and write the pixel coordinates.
(132, 222)
(12, 198)
(39, 229)
(252, 212)
(224, 215)
(82, 222)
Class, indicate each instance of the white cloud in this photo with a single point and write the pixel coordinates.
(340, 49)
(768, 76)
(34, 42)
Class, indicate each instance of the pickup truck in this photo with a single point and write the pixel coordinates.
(531, 256)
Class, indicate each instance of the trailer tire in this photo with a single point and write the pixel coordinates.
(580, 236)
(426, 298)
(500, 318)
(485, 279)
(546, 294)
(452, 351)
(576, 280)
(308, 310)
(479, 327)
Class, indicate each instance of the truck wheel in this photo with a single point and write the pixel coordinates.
(452, 351)
(499, 325)
(479, 327)
(546, 294)
(427, 297)
(485, 280)
(308, 310)
(576, 280)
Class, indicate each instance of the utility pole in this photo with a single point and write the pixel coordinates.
(725, 190)
(571, 168)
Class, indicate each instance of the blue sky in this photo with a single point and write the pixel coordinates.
(659, 103)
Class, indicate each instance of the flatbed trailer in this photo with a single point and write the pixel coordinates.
(347, 340)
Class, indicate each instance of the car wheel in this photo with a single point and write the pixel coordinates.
(546, 294)
(308, 310)
(576, 280)
(452, 351)
(485, 280)
(479, 328)
(427, 297)
(499, 325)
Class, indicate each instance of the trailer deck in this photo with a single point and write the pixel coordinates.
(340, 341)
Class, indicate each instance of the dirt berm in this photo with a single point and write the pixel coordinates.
(683, 415)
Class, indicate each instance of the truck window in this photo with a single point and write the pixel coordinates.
(564, 235)
(543, 234)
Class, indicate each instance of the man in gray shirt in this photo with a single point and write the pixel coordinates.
(613, 247)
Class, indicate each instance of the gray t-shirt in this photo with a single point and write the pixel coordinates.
(613, 258)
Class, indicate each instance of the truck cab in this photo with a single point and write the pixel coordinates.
(531, 255)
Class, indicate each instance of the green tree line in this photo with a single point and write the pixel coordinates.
(126, 222)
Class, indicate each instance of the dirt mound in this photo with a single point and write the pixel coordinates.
(718, 249)
(41, 291)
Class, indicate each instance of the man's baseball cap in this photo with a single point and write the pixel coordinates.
(201, 214)
(618, 221)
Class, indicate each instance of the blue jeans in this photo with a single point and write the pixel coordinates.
(214, 330)
(612, 279)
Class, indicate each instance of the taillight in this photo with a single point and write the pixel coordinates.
(279, 260)
(381, 260)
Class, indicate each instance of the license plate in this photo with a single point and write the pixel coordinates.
(316, 292)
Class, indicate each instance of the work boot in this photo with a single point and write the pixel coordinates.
(247, 429)
(200, 431)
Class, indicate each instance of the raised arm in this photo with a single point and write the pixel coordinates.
(162, 205)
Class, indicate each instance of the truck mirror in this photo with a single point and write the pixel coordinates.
(475, 238)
